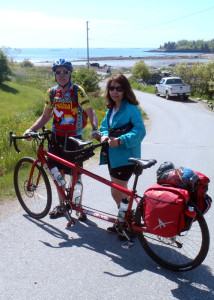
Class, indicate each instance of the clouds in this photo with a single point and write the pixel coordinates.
(37, 29)
(142, 24)
(37, 20)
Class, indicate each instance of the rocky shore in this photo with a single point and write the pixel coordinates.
(121, 63)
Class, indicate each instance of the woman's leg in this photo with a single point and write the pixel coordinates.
(117, 195)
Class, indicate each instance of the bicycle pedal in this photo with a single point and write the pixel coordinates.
(70, 224)
(127, 245)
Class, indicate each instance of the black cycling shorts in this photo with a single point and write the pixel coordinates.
(56, 147)
(123, 172)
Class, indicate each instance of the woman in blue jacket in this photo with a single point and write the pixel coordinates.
(122, 112)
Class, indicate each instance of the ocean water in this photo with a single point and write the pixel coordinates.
(41, 56)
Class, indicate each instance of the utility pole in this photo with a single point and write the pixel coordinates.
(87, 44)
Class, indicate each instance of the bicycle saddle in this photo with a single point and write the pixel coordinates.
(79, 142)
(143, 163)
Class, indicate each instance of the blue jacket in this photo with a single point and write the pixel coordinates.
(131, 147)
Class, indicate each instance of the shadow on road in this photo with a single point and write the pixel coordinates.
(179, 100)
(199, 282)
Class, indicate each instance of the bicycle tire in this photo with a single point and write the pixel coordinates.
(183, 252)
(38, 199)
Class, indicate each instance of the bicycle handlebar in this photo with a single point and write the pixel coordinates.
(33, 134)
(45, 135)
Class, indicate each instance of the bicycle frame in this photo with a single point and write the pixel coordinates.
(177, 254)
(132, 194)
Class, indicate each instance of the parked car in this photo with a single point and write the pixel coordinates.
(172, 87)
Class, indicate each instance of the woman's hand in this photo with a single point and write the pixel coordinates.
(113, 142)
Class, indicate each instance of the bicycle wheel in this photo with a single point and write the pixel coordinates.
(182, 252)
(35, 200)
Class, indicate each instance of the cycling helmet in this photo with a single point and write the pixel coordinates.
(62, 63)
(167, 165)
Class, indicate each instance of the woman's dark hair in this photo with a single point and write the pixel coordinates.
(128, 92)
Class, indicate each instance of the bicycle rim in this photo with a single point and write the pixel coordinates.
(37, 198)
(183, 252)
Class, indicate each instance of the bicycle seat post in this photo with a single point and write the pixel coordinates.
(137, 174)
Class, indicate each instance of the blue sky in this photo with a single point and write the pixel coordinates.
(112, 23)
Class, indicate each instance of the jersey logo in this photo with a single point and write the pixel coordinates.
(58, 113)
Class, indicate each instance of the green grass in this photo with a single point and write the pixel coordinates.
(17, 98)
(141, 87)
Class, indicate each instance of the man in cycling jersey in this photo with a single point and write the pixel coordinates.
(70, 107)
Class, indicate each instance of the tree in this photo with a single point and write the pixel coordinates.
(141, 70)
(5, 71)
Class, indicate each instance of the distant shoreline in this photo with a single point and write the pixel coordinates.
(177, 56)
(127, 62)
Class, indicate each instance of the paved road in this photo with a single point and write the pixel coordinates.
(43, 260)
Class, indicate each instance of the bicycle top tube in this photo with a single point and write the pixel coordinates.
(76, 168)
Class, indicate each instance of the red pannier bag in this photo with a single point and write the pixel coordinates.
(163, 210)
(199, 195)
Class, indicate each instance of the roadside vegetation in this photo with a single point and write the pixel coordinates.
(200, 76)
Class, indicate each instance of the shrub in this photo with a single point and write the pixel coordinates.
(199, 76)
(87, 78)
(26, 63)
(141, 70)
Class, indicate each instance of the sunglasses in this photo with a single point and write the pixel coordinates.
(118, 89)
(62, 72)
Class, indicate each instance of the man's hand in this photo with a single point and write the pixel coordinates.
(28, 132)
(96, 134)
(104, 138)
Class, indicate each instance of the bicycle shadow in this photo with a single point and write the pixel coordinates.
(199, 282)
(96, 239)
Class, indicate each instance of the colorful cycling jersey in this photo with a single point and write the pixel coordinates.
(69, 117)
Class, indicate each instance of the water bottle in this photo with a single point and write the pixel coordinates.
(58, 176)
(77, 194)
(189, 215)
(122, 209)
